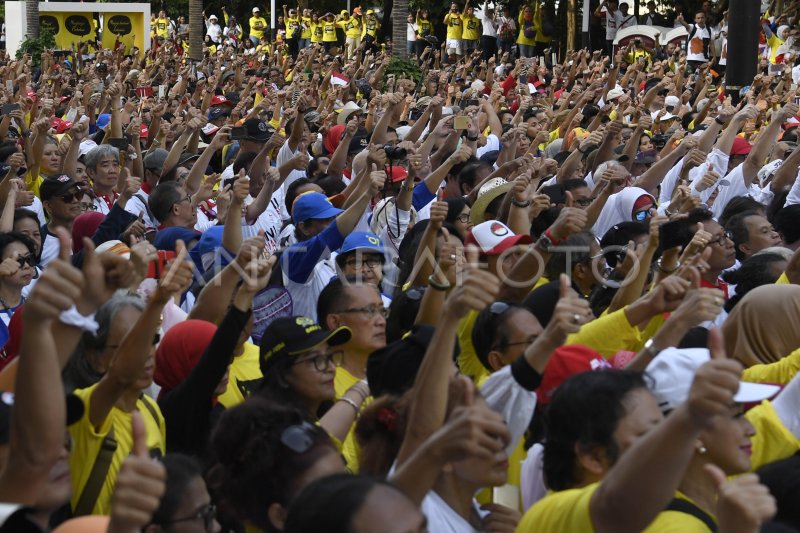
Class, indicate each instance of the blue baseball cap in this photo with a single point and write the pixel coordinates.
(362, 240)
(313, 205)
(103, 120)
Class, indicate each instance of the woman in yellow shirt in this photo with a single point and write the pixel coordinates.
(305, 29)
(527, 32)
(329, 31)
(316, 29)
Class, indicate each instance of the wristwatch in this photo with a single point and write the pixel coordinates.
(650, 348)
(545, 243)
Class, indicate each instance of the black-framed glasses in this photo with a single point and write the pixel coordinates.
(322, 361)
(207, 514)
(299, 438)
(505, 345)
(30, 259)
(370, 311)
(369, 261)
(584, 202)
(463, 218)
(727, 235)
(86, 206)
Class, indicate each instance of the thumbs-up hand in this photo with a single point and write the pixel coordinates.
(140, 484)
(377, 180)
(570, 313)
(178, 277)
(715, 384)
(743, 503)
(570, 220)
(104, 273)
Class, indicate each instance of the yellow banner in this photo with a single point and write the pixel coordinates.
(127, 28)
(68, 28)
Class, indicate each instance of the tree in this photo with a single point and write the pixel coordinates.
(32, 15)
(399, 14)
(196, 24)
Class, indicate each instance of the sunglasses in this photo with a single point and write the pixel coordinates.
(30, 259)
(71, 196)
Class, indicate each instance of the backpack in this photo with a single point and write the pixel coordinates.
(529, 31)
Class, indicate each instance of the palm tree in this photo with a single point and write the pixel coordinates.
(399, 15)
(196, 21)
(32, 16)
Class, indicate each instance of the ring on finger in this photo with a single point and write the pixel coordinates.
(576, 318)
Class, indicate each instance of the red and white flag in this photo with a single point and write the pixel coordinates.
(338, 79)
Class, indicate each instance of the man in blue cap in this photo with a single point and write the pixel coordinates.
(362, 256)
(321, 229)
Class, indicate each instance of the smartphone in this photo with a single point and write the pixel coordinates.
(119, 143)
(10, 86)
(157, 266)
(162, 92)
(461, 123)
(674, 233)
(239, 132)
(8, 108)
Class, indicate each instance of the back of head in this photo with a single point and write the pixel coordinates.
(584, 413)
(738, 205)
(787, 223)
(754, 272)
(163, 197)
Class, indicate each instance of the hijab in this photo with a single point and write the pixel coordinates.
(85, 225)
(619, 208)
(179, 352)
(764, 326)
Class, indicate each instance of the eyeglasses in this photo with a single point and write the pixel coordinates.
(369, 311)
(88, 207)
(584, 202)
(207, 514)
(30, 259)
(322, 361)
(187, 198)
(463, 218)
(71, 196)
(720, 241)
(298, 438)
(505, 345)
(641, 216)
(370, 262)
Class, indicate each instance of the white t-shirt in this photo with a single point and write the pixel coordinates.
(411, 32)
(613, 21)
(443, 519)
(137, 205)
(214, 31)
(489, 26)
(695, 49)
(285, 154)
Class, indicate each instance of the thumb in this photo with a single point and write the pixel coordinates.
(445, 235)
(88, 251)
(715, 473)
(139, 436)
(564, 286)
(694, 278)
(469, 391)
(700, 226)
(374, 167)
(65, 247)
(569, 202)
(472, 255)
(716, 344)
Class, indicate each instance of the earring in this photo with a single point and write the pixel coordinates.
(702, 450)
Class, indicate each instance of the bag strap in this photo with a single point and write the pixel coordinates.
(98, 475)
(146, 207)
(150, 408)
(687, 507)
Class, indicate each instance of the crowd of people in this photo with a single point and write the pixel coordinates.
(279, 289)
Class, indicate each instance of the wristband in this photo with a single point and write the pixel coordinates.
(555, 241)
(435, 285)
(524, 204)
(71, 317)
(471, 139)
(718, 121)
(350, 402)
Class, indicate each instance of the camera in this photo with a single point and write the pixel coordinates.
(395, 153)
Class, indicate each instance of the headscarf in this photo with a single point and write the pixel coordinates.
(619, 208)
(180, 350)
(85, 225)
(333, 138)
(763, 326)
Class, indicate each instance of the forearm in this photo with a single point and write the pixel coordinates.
(232, 230)
(259, 205)
(214, 298)
(634, 283)
(651, 179)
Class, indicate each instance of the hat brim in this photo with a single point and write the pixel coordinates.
(478, 211)
(330, 212)
(337, 337)
(754, 392)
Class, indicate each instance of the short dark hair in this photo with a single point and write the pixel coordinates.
(557, 264)
(292, 194)
(332, 296)
(739, 204)
(737, 225)
(21, 213)
(490, 329)
(181, 470)
(7, 238)
(163, 197)
(753, 273)
(584, 413)
(469, 172)
(787, 222)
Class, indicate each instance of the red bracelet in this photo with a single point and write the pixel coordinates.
(555, 242)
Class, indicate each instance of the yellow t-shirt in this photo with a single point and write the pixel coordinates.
(316, 32)
(521, 39)
(773, 441)
(454, 25)
(305, 29)
(780, 372)
(32, 183)
(87, 440)
(162, 27)
(342, 382)
(351, 28)
(424, 27)
(472, 28)
(244, 377)
(328, 32)
(292, 25)
(567, 511)
(257, 32)
(371, 27)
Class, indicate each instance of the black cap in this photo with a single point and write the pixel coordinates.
(360, 141)
(289, 336)
(56, 186)
(258, 130)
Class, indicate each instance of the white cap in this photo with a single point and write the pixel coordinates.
(402, 131)
(672, 373)
(86, 147)
(672, 101)
(493, 237)
(213, 17)
(769, 169)
(666, 116)
(256, 10)
(614, 93)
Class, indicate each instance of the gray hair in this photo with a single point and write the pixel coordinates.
(105, 317)
(101, 151)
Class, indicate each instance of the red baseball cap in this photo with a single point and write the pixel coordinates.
(565, 362)
(218, 99)
(741, 146)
